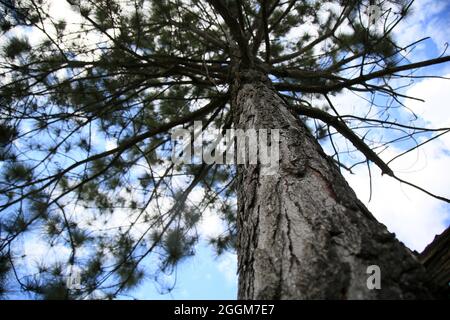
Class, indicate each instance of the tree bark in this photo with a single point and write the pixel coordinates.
(436, 260)
(302, 233)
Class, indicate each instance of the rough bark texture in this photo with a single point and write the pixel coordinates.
(303, 234)
(436, 260)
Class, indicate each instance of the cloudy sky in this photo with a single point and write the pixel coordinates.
(412, 215)
(415, 217)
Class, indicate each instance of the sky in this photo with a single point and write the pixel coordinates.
(413, 216)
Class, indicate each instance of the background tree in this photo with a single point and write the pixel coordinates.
(86, 117)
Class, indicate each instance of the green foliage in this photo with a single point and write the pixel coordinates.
(17, 172)
(15, 47)
(7, 134)
(129, 274)
(5, 268)
(222, 244)
(177, 245)
(79, 236)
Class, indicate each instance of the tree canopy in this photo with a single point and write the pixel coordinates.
(88, 102)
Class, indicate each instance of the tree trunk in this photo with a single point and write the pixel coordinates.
(302, 233)
(436, 260)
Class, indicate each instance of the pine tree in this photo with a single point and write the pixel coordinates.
(130, 72)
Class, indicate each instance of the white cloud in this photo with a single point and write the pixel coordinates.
(227, 266)
(211, 225)
(414, 216)
(428, 18)
(435, 111)
(35, 252)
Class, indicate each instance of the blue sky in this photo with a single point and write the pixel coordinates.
(413, 216)
(204, 276)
